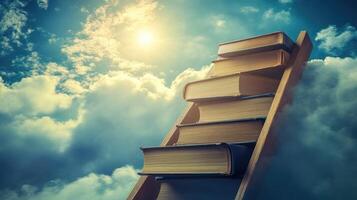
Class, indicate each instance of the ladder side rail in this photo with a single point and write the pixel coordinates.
(265, 142)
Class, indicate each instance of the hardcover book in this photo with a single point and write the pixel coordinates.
(248, 107)
(272, 61)
(229, 86)
(277, 40)
(207, 159)
(220, 131)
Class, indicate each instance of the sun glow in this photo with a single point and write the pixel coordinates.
(145, 38)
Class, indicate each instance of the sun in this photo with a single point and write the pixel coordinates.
(145, 38)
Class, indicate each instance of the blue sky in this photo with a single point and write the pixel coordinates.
(85, 83)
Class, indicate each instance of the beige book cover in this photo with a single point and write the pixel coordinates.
(233, 109)
(277, 40)
(222, 131)
(274, 60)
(208, 159)
(229, 86)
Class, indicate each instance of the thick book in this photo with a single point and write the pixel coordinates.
(209, 159)
(277, 40)
(273, 61)
(247, 107)
(242, 130)
(229, 86)
(223, 188)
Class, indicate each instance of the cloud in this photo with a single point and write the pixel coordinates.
(106, 34)
(285, 1)
(248, 9)
(30, 63)
(84, 10)
(92, 186)
(12, 25)
(31, 102)
(52, 39)
(13, 19)
(316, 154)
(279, 16)
(331, 40)
(220, 23)
(128, 112)
(59, 133)
(152, 86)
(47, 134)
(73, 87)
(54, 69)
(33, 95)
(42, 4)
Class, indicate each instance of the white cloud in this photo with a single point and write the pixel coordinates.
(55, 69)
(73, 87)
(106, 34)
(31, 61)
(53, 39)
(128, 111)
(58, 132)
(93, 186)
(248, 9)
(285, 1)
(6, 46)
(33, 95)
(42, 4)
(13, 19)
(33, 100)
(131, 65)
(332, 40)
(12, 25)
(84, 10)
(220, 23)
(150, 85)
(103, 40)
(280, 16)
(320, 123)
(103, 43)
(29, 46)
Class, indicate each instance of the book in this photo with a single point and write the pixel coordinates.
(198, 188)
(277, 40)
(274, 61)
(229, 86)
(248, 107)
(207, 159)
(243, 130)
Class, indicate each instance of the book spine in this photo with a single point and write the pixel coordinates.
(240, 157)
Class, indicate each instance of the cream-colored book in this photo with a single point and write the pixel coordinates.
(277, 40)
(223, 131)
(229, 86)
(198, 188)
(273, 61)
(249, 107)
(207, 159)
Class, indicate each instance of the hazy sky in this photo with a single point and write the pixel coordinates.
(85, 83)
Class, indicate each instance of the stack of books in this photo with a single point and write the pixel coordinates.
(210, 155)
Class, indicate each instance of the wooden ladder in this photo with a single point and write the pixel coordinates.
(147, 188)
